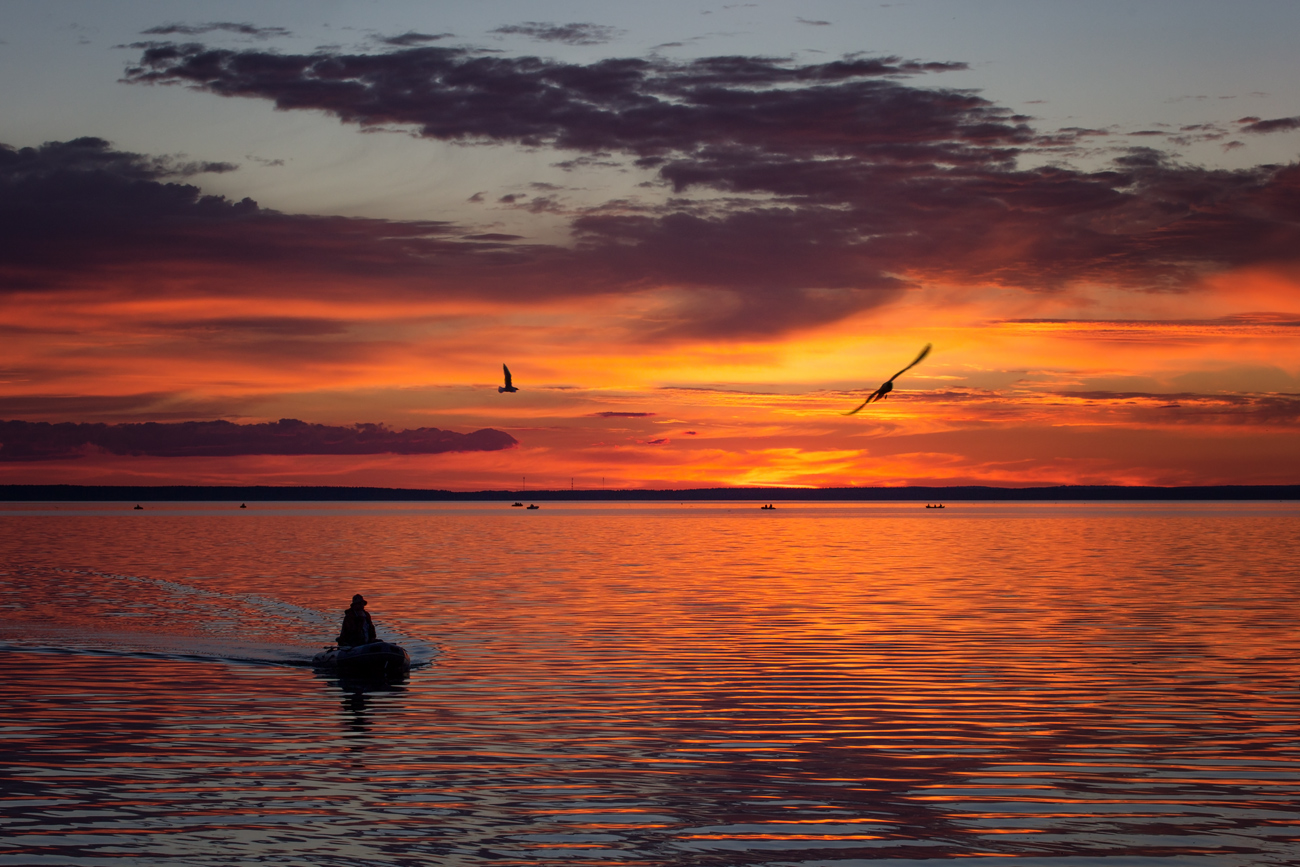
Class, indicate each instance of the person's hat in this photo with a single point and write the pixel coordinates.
(358, 598)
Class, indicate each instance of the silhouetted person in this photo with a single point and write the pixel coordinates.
(357, 626)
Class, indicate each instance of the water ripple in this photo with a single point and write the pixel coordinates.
(1072, 686)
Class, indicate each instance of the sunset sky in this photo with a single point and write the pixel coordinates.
(697, 233)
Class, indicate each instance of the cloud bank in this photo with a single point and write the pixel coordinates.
(37, 441)
(240, 28)
(79, 211)
(570, 34)
(827, 188)
(793, 195)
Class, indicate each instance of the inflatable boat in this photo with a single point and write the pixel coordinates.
(375, 658)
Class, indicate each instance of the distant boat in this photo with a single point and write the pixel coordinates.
(243, 505)
(513, 505)
(140, 507)
(533, 506)
(768, 506)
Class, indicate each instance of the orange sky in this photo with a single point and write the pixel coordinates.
(1010, 395)
(693, 264)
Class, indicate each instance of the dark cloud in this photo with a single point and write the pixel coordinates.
(240, 28)
(410, 38)
(280, 326)
(35, 441)
(1241, 321)
(622, 414)
(813, 23)
(84, 156)
(569, 34)
(1199, 409)
(642, 106)
(802, 193)
(1277, 124)
(75, 212)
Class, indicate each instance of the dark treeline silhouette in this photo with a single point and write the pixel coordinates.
(164, 493)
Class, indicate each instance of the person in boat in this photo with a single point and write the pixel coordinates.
(358, 628)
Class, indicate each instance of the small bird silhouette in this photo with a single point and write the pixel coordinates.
(884, 390)
(509, 386)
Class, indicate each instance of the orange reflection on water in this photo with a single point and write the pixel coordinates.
(658, 684)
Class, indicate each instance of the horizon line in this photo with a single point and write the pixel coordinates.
(345, 493)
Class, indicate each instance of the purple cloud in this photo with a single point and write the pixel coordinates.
(411, 37)
(1277, 124)
(72, 212)
(239, 28)
(36, 441)
(569, 34)
(828, 188)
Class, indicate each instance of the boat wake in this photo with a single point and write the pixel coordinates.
(85, 612)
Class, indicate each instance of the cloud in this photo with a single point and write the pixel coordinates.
(622, 414)
(569, 34)
(793, 195)
(240, 28)
(79, 405)
(635, 105)
(73, 213)
(411, 37)
(1187, 408)
(278, 326)
(35, 441)
(1277, 124)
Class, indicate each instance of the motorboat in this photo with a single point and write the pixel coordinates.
(533, 506)
(375, 658)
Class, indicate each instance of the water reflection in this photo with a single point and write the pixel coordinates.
(362, 697)
(1061, 688)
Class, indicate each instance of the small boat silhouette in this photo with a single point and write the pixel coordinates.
(533, 506)
(374, 659)
(140, 507)
(243, 505)
(514, 505)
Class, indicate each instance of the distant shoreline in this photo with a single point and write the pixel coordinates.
(319, 493)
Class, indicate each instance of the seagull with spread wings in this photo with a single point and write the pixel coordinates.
(884, 390)
(509, 386)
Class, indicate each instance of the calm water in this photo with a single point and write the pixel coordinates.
(708, 684)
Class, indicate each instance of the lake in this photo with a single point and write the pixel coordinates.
(820, 684)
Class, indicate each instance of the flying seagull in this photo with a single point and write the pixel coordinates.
(884, 390)
(509, 386)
